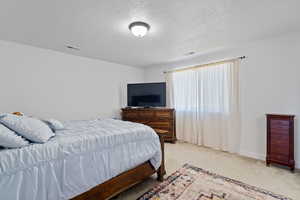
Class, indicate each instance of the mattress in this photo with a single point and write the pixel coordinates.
(85, 154)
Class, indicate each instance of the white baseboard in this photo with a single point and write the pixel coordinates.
(261, 157)
(253, 155)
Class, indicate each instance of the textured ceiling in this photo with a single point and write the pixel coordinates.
(100, 27)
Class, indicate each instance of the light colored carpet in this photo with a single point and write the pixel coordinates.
(250, 171)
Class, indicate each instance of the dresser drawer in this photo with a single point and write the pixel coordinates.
(279, 123)
(279, 158)
(279, 137)
(164, 114)
(146, 114)
(282, 149)
(279, 131)
(163, 132)
(157, 118)
(138, 115)
(141, 121)
(129, 115)
(160, 124)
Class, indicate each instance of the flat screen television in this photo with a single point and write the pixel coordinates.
(146, 95)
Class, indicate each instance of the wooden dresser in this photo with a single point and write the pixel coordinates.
(280, 140)
(162, 120)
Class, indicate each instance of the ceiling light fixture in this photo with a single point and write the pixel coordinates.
(139, 29)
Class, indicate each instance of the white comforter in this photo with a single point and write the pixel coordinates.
(84, 155)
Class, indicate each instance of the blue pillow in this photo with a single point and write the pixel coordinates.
(10, 139)
(54, 124)
(30, 128)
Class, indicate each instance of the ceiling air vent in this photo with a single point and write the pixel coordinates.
(72, 47)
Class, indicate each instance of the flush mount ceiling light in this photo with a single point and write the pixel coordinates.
(139, 29)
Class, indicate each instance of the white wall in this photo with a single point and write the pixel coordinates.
(47, 83)
(270, 83)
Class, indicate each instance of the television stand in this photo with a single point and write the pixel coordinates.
(162, 120)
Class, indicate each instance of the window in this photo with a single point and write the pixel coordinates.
(205, 88)
(206, 100)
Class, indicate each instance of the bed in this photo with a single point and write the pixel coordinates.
(90, 159)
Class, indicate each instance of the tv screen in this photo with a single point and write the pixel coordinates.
(146, 94)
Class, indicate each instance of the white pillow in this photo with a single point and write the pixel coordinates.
(10, 139)
(32, 129)
(54, 124)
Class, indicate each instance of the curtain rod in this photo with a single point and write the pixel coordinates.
(205, 65)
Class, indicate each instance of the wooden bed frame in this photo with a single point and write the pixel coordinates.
(124, 181)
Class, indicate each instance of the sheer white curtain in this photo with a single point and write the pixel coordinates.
(206, 100)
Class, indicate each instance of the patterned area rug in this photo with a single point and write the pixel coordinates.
(193, 183)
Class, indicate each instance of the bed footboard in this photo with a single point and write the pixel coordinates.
(125, 180)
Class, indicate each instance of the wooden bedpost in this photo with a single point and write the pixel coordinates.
(161, 170)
